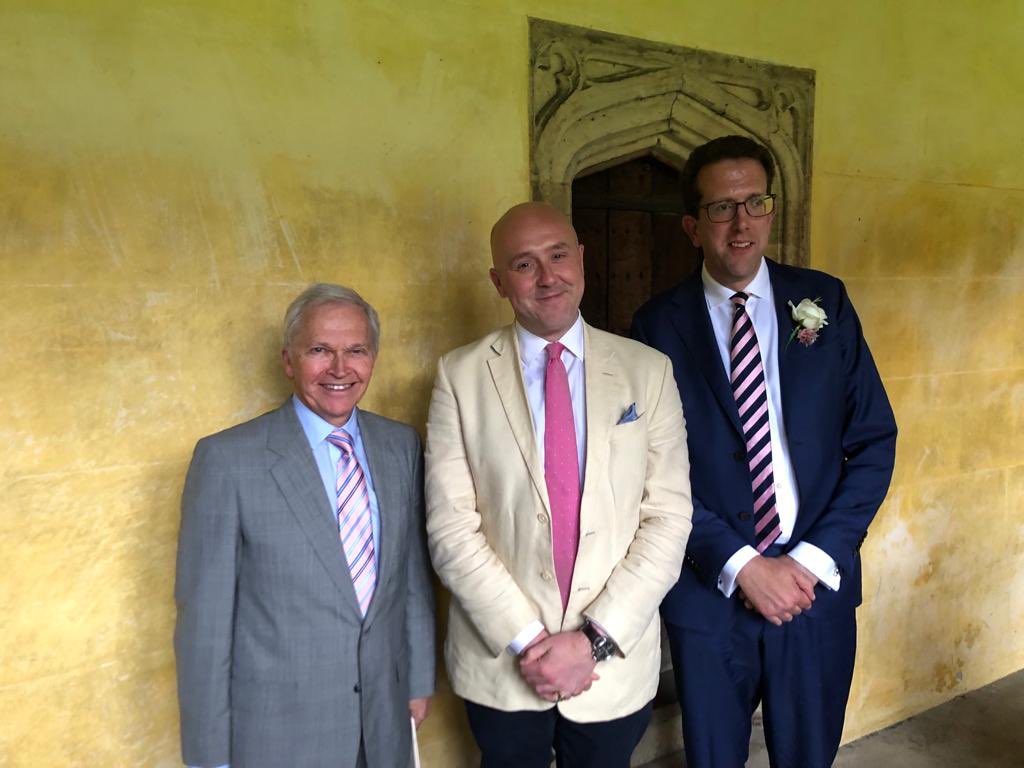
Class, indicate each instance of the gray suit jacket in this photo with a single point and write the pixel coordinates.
(275, 667)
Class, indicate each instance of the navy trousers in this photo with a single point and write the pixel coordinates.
(526, 739)
(800, 673)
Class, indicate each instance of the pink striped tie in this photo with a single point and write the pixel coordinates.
(748, 387)
(354, 526)
(561, 469)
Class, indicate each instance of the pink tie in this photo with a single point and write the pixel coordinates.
(354, 526)
(561, 469)
(748, 387)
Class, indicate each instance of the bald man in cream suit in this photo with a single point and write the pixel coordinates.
(557, 559)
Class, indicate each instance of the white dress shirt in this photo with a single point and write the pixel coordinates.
(761, 309)
(533, 360)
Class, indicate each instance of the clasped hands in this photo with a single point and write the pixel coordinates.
(561, 666)
(779, 588)
(558, 666)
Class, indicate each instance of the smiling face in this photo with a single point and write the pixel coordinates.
(330, 360)
(732, 249)
(538, 267)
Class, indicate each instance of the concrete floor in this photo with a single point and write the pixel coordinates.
(982, 729)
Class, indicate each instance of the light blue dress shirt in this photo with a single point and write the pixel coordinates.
(327, 455)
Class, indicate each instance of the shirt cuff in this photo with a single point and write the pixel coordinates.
(818, 562)
(732, 568)
(525, 637)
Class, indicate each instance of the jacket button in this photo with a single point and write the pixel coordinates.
(739, 455)
(542, 519)
(546, 576)
(356, 688)
(745, 515)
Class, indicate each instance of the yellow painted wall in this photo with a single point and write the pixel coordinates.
(172, 173)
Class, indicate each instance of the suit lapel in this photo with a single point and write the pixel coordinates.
(604, 386)
(784, 290)
(380, 458)
(507, 375)
(693, 324)
(797, 419)
(299, 479)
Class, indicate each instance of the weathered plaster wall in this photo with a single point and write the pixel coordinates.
(173, 172)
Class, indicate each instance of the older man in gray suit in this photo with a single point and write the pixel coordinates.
(305, 632)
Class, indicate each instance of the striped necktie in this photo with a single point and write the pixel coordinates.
(354, 526)
(748, 387)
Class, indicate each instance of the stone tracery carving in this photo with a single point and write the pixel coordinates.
(598, 99)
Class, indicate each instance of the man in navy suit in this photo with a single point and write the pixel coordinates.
(792, 443)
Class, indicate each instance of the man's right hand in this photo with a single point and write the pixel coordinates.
(776, 587)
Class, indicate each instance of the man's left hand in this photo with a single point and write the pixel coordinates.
(560, 666)
(419, 709)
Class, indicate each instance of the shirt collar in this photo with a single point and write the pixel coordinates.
(531, 346)
(317, 429)
(716, 293)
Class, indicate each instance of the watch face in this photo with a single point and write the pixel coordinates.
(601, 648)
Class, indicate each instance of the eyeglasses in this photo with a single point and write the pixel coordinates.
(757, 206)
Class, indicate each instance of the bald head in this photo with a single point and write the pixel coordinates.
(538, 267)
(525, 216)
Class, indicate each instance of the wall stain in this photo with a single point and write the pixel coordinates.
(946, 677)
(969, 635)
(937, 555)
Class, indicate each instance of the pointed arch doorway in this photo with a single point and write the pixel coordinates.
(608, 111)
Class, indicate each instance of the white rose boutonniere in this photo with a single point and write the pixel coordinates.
(809, 319)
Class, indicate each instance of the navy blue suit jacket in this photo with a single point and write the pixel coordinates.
(840, 428)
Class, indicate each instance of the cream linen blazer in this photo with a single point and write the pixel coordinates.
(489, 520)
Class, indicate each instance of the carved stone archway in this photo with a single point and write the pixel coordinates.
(598, 99)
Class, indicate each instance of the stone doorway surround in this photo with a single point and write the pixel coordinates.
(598, 99)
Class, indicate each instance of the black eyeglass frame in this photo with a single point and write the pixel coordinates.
(746, 206)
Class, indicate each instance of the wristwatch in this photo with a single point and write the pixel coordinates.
(601, 646)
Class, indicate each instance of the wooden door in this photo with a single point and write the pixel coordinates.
(628, 218)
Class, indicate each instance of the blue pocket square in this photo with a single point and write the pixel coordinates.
(629, 415)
